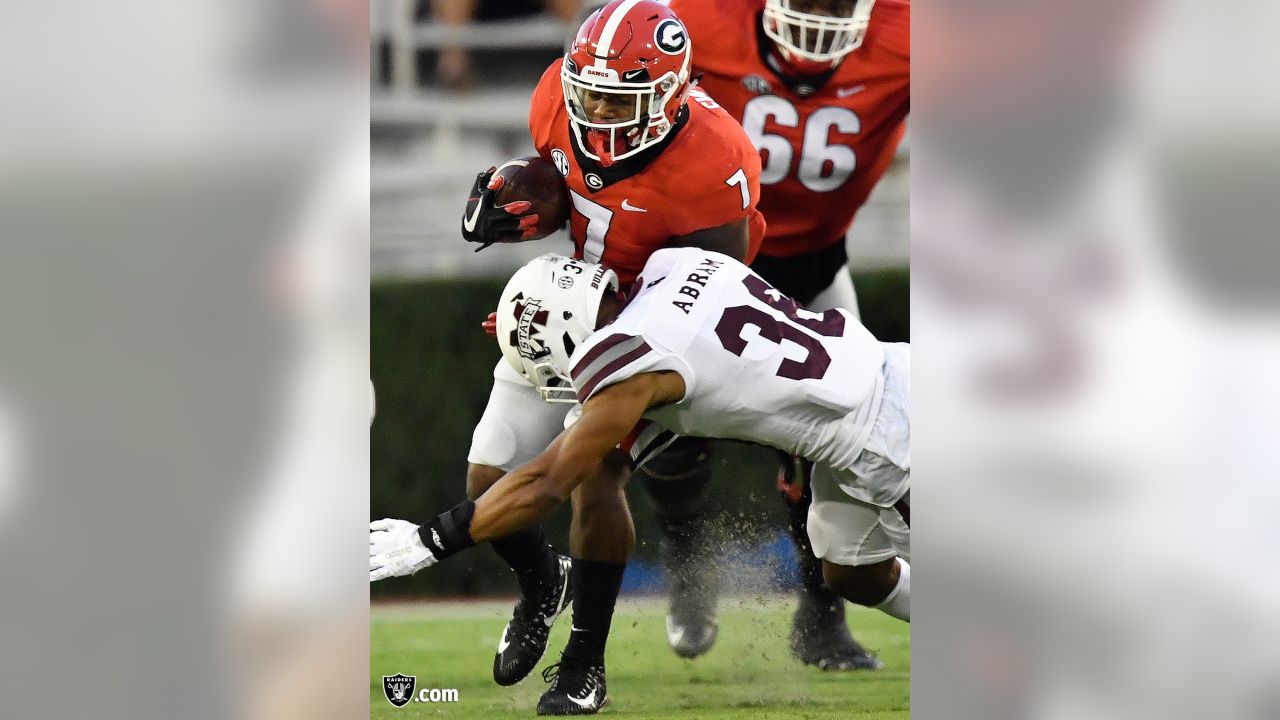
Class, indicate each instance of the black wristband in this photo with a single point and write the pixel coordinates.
(450, 532)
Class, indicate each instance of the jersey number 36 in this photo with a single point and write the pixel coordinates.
(775, 329)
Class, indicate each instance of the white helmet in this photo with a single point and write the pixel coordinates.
(815, 38)
(547, 309)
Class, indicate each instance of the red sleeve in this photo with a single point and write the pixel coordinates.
(542, 107)
(724, 186)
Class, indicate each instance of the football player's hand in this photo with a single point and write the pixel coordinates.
(490, 324)
(486, 224)
(395, 549)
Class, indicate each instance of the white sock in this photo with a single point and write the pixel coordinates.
(898, 604)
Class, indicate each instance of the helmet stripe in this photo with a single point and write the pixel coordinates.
(610, 28)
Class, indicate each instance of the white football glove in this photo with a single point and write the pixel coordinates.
(395, 549)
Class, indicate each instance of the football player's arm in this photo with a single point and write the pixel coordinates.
(732, 239)
(530, 492)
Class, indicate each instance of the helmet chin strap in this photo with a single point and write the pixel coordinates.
(598, 140)
(802, 66)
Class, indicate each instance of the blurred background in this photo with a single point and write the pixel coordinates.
(450, 87)
(1095, 352)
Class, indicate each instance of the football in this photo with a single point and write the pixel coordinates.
(538, 182)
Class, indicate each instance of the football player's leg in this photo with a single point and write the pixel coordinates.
(601, 541)
(677, 481)
(517, 425)
(885, 585)
(864, 547)
(820, 612)
(819, 633)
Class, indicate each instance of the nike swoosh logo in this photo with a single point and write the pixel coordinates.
(559, 603)
(586, 701)
(503, 644)
(469, 223)
(846, 92)
(628, 206)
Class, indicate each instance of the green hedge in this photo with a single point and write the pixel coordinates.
(432, 366)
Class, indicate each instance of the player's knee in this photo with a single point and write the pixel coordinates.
(864, 584)
(677, 479)
(481, 478)
(606, 489)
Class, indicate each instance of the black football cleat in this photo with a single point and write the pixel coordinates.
(820, 637)
(577, 688)
(524, 640)
(690, 631)
(695, 589)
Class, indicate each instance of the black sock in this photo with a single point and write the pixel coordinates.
(531, 557)
(595, 590)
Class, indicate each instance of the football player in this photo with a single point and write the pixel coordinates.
(697, 327)
(822, 88)
(649, 162)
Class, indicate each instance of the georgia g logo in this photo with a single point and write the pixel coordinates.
(399, 688)
(670, 36)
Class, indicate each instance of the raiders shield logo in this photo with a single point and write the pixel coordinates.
(399, 688)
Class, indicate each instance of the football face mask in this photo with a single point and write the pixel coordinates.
(615, 123)
(547, 309)
(625, 78)
(809, 32)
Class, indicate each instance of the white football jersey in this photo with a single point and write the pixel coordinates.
(756, 367)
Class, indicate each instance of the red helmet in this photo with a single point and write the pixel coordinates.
(625, 78)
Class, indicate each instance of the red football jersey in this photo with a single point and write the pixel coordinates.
(824, 151)
(706, 173)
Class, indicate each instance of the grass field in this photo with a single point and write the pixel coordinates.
(748, 674)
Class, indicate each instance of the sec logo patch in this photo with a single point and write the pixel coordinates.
(757, 85)
(562, 162)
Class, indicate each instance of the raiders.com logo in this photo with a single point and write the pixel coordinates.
(399, 691)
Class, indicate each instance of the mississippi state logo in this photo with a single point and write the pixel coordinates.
(399, 688)
(531, 319)
(670, 36)
(757, 85)
(562, 162)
